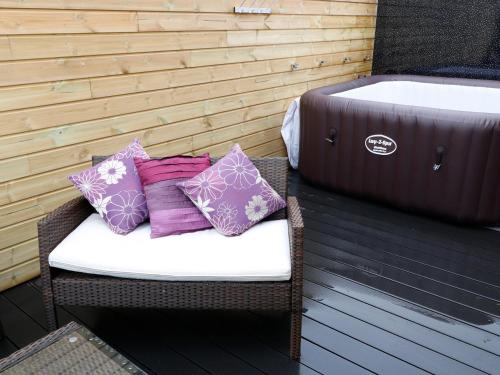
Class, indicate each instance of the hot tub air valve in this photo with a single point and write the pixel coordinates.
(440, 151)
(333, 137)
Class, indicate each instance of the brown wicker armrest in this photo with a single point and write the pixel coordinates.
(296, 235)
(54, 227)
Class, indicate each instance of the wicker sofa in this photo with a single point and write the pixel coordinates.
(78, 289)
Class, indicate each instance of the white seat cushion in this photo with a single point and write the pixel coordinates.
(260, 254)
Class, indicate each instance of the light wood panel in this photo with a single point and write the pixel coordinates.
(316, 7)
(19, 274)
(14, 22)
(20, 253)
(161, 21)
(16, 97)
(73, 45)
(62, 22)
(272, 148)
(34, 207)
(79, 78)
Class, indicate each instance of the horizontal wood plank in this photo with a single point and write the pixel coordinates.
(17, 254)
(35, 207)
(161, 21)
(14, 22)
(246, 142)
(19, 274)
(358, 7)
(16, 97)
(53, 21)
(73, 45)
(17, 233)
(272, 148)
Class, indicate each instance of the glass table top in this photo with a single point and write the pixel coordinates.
(77, 352)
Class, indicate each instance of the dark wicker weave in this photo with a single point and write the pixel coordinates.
(71, 349)
(71, 288)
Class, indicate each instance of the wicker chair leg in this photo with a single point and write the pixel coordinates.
(295, 334)
(50, 311)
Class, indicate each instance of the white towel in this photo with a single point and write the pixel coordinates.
(290, 131)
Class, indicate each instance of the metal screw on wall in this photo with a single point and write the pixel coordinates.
(347, 60)
(295, 66)
(321, 63)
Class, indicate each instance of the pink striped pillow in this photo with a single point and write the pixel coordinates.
(170, 211)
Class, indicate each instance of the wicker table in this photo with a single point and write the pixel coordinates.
(72, 349)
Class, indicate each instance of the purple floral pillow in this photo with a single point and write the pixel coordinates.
(231, 194)
(114, 189)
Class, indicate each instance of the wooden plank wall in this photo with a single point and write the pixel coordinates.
(84, 77)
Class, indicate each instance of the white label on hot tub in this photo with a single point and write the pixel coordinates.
(380, 144)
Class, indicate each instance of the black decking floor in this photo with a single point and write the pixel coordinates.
(384, 292)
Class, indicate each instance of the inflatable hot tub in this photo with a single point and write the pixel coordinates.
(424, 144)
